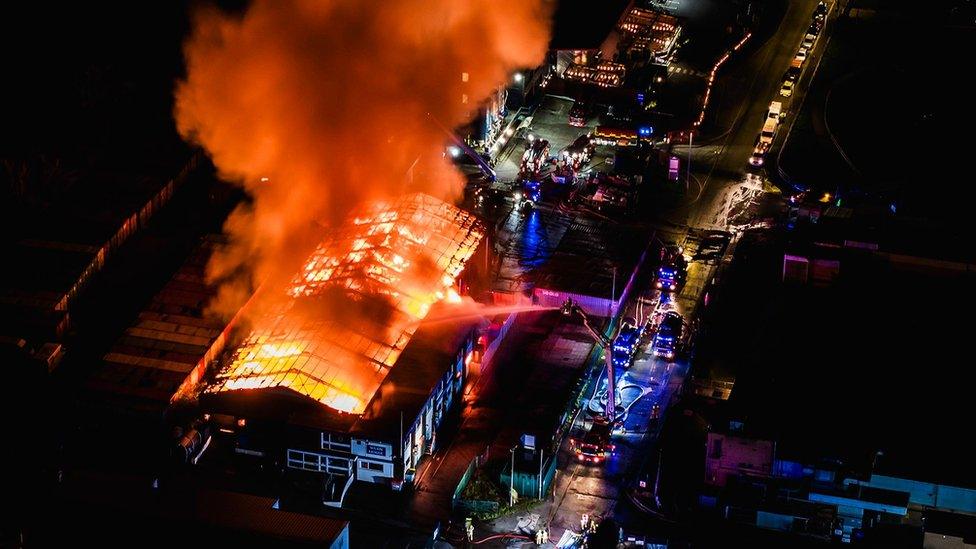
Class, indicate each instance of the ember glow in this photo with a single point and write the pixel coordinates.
(356, 302)
(318, 106)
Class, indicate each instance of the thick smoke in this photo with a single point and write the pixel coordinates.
(317, 105)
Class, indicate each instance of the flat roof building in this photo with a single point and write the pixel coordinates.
(595, 264)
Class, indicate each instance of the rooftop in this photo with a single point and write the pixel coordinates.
(349, 313)
(60, 243)
(593, 258)
(405, 389)
(113, 508)
(171, 335)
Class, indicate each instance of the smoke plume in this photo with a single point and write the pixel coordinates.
(315, 106)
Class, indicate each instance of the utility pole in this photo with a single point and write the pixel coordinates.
(691, 135)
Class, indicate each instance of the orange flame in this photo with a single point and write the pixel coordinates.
(340, 360)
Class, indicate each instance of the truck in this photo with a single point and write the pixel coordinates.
(534, 158)
(625, 344)
(578, 154)
(765, 141)
(768, 130)
(671, 276)
(673, 271)
(595, 447)
(668, 335)
(579, 113)
(532, 190)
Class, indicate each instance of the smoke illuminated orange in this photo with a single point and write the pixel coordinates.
(318, 106)
(356, 302)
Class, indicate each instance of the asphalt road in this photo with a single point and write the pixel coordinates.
(720, 167)
(602, 491)
(722, 192)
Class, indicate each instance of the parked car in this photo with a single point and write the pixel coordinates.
(820, 12)
(786, 89)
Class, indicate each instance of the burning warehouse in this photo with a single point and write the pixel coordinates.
(343, 376)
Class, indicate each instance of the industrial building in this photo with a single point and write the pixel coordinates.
(602, 53)
(595, 264)
(342, 375)
(63, 244)
(168, 344)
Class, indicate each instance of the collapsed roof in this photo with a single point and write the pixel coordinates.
(350, 311)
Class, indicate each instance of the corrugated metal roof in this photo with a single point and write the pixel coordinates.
(168, 338)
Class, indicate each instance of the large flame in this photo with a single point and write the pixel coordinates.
(356, 302)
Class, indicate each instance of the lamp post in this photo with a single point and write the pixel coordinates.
(511, 480)
(520, 80)
(542, 452)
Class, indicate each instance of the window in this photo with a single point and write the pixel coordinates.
(371, 466)
(716, 448)
(335, 442)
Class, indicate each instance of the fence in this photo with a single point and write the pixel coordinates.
(526, 483)
(473, 507)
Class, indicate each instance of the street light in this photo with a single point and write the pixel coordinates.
(519, 79)
(511, 479)
(542, 452)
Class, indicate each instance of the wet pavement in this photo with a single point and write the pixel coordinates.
(541, 359)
